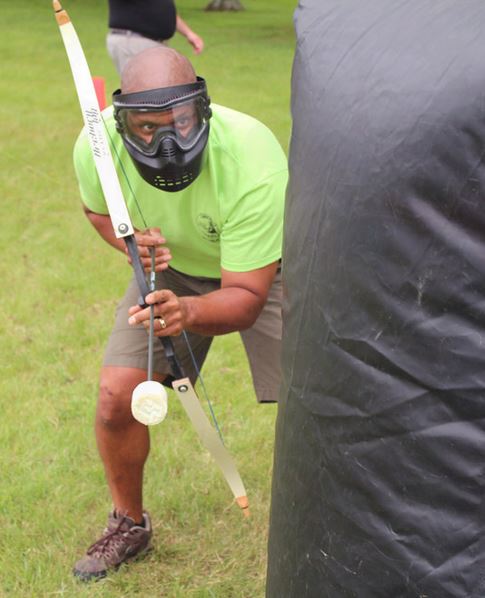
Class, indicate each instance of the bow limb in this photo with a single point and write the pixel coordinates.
(123, 228)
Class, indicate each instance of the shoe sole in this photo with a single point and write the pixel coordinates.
(97, 576)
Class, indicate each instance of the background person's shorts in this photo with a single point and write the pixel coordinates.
(122, 47)
(127, 345)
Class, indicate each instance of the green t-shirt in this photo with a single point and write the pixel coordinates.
(231, 216)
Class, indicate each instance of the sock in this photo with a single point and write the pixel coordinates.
(118, 515)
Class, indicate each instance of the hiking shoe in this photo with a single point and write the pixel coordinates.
(121, 540)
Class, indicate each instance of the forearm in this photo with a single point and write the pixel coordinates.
(222, 311)
(182, 27)
(235, 306)
(103, 226)
(194, 40)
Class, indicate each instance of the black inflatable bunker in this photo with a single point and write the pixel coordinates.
(379, 483)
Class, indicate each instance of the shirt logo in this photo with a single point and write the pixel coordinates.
(207, 228)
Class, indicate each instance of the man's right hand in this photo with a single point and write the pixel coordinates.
(152, 237)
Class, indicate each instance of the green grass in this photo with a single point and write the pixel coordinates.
(60, 284)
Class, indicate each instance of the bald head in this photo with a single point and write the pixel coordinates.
(155, 68)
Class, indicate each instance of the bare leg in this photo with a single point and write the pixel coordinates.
(123, 443)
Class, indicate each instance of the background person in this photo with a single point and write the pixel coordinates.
(135, 25)
(214, 181)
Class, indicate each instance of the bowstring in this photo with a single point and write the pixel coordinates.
(186, 338)
(204, 390)
(125, 174)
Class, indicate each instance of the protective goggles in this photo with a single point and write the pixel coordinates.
(146, 118)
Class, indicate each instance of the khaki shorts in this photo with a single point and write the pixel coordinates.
(127, 345)
(122, 47)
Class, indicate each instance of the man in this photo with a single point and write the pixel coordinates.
(214, 182)
(136, 25)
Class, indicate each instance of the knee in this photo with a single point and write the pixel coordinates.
(114, 406)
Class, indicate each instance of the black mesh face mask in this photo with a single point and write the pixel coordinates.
(165, 132)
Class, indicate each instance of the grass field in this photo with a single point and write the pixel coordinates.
(59, 287)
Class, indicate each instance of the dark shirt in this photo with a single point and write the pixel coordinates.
(155, 19)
